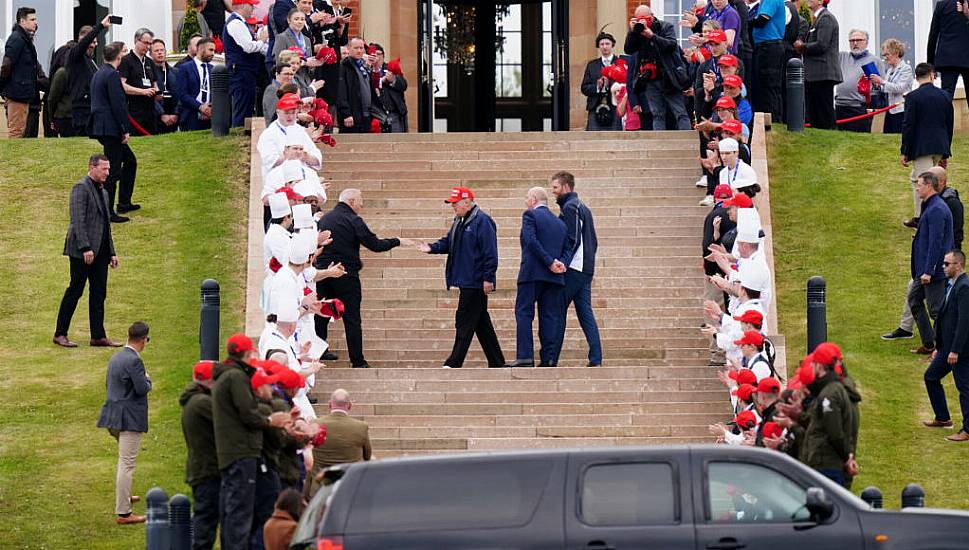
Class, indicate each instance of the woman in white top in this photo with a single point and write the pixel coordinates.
(897, 82)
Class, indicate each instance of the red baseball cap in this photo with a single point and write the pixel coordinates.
(289, 379)
(745, 420)
(333, 308)
(241, 2)
(743, 376)
(739, 200)
(716, 36)
(751, 316)
(252, 21)
(327, 55)
(727, 60)
(295, 49)
(752, 338)
(826, 353)
(271, 367)
(743, 391)
(725, 103)
(806, 373)
(768, 385)
(261, 378)
(290, 193)
(288, 102)
(394, 67)
(203, 370)
(458, 194)
(772, 429)
(733, 81)
(239, 343)
(722, 191)
(735, 127)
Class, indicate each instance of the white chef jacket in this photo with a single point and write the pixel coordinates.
(272, 142)
(272, 339)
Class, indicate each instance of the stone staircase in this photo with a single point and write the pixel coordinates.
(654, 387)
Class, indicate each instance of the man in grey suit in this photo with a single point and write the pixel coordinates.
(125, 414)
(90, 248)
(822, 65)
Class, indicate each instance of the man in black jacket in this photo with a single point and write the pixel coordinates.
(822, 66)
(81, 68)
(595, 87)
(201, 464)
(348, 231)
(356, 92)
(21, 76)
(951, 348)
(657, 75)
(949, 42)
(926, 129)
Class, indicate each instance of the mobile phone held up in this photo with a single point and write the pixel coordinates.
(116, 20)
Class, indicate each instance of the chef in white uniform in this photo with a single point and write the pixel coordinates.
(284, 139)
(275, 244)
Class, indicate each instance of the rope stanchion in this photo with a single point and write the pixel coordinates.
(138, 127)
(864, 116)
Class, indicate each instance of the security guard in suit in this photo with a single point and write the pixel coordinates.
(951, 343)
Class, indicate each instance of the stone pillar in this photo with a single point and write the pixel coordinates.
(612, 16)
(582, 48)
(402, 43)
(375, 21)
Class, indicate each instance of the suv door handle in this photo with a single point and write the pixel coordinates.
(727, 543)
(599, 545)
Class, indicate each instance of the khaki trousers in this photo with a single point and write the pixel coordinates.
(128, 445)
(16, 118)
(919, 165)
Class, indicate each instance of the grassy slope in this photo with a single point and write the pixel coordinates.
(837, 201)
(56, 468)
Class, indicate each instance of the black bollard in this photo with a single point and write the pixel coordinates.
(157, 529)
(180, 519)
(913, 496)
(221, 101)
(817, 317)
(871, 495)
(795, 95)
(209, 321)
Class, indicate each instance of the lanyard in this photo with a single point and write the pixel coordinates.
(280, 336)
(732, 178)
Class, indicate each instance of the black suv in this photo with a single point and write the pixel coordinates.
(714, 497)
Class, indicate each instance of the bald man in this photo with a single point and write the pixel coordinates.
(541, 280)
(347, 439)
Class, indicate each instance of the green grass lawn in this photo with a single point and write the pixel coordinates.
(56, 468)
(838, 200)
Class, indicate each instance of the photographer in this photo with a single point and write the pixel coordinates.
(949, 42)
(602, 113)
(657, 75)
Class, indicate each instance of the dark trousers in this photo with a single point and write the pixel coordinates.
(359, 126)
(64, 127)
(267, 489)
(238, 498)
(549, 297)
(938, 369)
(124, 168)
(472, 319)
(919, 295)
(80, 129)
(837, 476)
(893, 123)
(850, 111)
(205, 518)
(347, 290)
(950, 77)
(769, 66)
(819, 96)
(592, 124)
(242, 88)
(578, 290)
(96, 275)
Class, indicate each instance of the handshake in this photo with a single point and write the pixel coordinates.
(557, 267)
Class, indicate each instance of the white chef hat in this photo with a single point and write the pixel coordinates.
(298, 252)
(307, 188)
(288, 313)
(292, 136)
(748, 225)
(754, 275)
(279, 205)
(292, 171)
(303, 216)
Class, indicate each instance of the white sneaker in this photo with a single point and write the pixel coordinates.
(707, 201)
(702, 182)
(446, 367)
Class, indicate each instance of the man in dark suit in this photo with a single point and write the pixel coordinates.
(541, 280)
(949, 42)
(166, 102)
(932, 239)
(90, 248)
(109, 125)
(125, 414)
(595, 87)
(822, 65)
(356, 94)
(951, 348)
(81, 68)
(926, 129)
(192, 87)
(347, 439)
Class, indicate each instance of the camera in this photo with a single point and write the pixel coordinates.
(638, 28)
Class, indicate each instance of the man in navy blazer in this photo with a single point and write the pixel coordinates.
(949, 42)
(541, 280)
(926, 128)
(193, 89)
(125, 414)
(952, 348)
(933, 239)
(109, 125)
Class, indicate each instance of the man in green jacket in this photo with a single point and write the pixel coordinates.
(201, 467)
(829, 439)
(239, 426)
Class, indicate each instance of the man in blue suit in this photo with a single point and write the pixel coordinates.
(193, 87)
(926, 128)
(541, 280)
(109, 125)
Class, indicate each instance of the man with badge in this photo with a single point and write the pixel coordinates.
(284, 139)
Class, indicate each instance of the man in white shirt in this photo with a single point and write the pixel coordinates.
(193, 88)
(285, 140)
(244, 55)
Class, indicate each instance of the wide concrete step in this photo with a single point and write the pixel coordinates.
(454, 139)
(351, 152)
(697, 400)
(510, 272)
(364, 171)
(518, 202)
(644, 286)
(672, 419)
(577, 355)
(589, 186)
(514, 214)
(625, 260)
(384, 447)
(422, 343)
(442, 328)
(533, 409)
(536, 163)
(476, 361)
(435, 432)
(636, 372)
(579, 389)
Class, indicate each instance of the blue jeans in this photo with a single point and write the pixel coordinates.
(578, 289)
(661, 101)
(939, 369)
(837, 476)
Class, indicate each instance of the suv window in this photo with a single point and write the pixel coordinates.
(442, 495)
(628, 494)
(739, 492)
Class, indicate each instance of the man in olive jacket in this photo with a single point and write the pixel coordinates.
(201, 466)
(347, 439)
(239, 426)
(828, 443)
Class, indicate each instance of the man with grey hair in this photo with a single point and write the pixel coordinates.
(848, 101)
(348, 231)
(541, 280)
(138, 79)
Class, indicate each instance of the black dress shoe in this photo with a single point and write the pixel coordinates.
(521, 363)
(897, 334)
(911, 223)
(329, 356)
(547, 364)
(123, 208)
(362, 366)
(591, 364)
(119, 219)
(313, 399)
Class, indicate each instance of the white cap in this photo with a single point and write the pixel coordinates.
(729, 144)
(279, 205)
(754, 275)
(748, 225)
(292, 171)
(303, 216)
(307, 188)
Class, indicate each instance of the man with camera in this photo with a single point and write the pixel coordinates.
(595, 86)
(657, 73)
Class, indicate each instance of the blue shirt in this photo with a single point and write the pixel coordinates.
(774, 29)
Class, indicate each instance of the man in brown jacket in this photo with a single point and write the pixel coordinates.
(347, 439)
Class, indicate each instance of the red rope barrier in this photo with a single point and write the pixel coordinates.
(860, 117)
(138, 127)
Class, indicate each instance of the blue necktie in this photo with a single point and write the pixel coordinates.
(205, 83)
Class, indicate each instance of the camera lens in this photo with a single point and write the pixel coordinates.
(638, 28)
